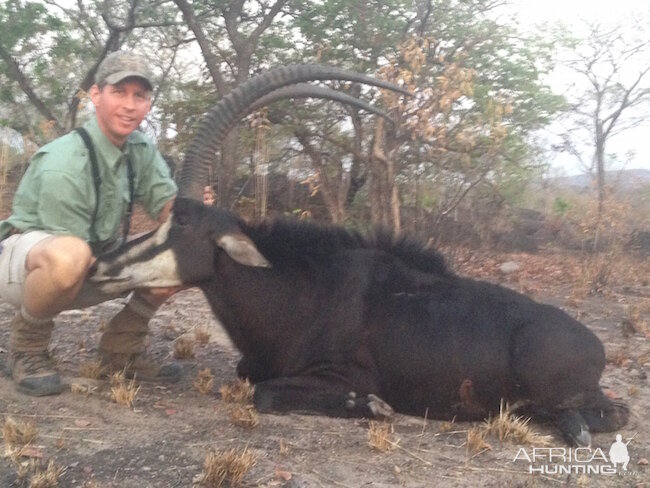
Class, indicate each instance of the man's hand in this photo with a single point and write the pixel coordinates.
(208, 196)
(156, 296)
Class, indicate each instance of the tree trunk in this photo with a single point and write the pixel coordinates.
(334, 200)
(383, 192)
(600, 182)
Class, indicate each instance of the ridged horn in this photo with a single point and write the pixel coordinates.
(224, 115)
(305, 90)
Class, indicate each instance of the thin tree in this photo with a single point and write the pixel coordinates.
(616, 66)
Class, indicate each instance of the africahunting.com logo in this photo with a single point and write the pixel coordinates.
(577, 460)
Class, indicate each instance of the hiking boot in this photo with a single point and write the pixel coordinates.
(29, 361)
(122, 347)
(141, 366)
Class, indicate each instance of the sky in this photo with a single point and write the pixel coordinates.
(575, 13)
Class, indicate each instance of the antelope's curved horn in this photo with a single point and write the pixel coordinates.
(224, 115)
(305, 90)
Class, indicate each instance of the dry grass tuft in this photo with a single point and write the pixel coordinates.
(82, 388)
(618, 357)
(204, 381)
(244, 416)
(576, 297)
(91, 369)
(201, 335)
(123, 392)
(16, 432)
(23, 470)
(632, 319)
(516, 429)
(48, 478)
(60, 442)
(240, 391)
(379, 434)
(184, 348)
(117, 378)
(228, 466)
(447, 426)
(283, 447)
(644, 306)
(476, 440)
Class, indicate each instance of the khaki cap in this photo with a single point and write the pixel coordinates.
(120, 65)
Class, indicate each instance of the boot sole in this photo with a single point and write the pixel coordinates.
(53, 387)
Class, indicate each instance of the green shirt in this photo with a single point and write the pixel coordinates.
(57, 193)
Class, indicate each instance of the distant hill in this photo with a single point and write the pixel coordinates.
(623, 180)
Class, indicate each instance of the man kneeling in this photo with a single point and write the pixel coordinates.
(72, 205)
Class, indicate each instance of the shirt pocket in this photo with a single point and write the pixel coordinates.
(111, 208)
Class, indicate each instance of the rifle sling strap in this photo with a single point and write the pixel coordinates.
(97, 181)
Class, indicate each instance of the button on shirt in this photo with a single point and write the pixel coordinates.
(57, 193)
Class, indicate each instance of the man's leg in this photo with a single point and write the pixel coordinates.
(123, 343)
(56, 270)
(40, 274)
(122, 346)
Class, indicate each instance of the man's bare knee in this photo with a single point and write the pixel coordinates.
(65, 259)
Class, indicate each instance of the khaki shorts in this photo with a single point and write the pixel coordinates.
(13, 264)
(13, 271)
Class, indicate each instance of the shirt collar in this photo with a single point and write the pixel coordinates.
(104, 148)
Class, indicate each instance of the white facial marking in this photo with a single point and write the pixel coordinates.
(163, 231)
(162, 270)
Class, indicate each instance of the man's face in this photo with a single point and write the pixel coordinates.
(120, 108)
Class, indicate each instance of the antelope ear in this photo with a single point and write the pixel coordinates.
(241, 249)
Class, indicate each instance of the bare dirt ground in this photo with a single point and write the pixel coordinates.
(163, 439)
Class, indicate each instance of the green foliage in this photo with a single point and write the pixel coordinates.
(42, 43)
(561, 206)
(22, 23)
(352, 34)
